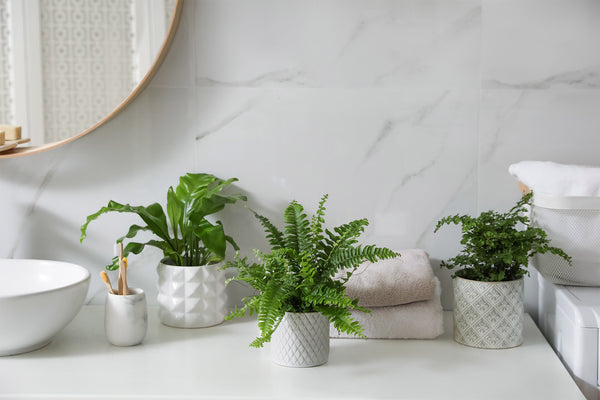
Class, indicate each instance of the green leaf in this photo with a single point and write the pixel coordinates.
(175, 211)
(297, 229)
(135, 248)
(318, 219)
(213, 238)
(232, 242)
(342, 320)
(152, 215)
(193, 185)
(133, 230)
(352, 257)
(200, 194)
(270, 312)
(274, 236)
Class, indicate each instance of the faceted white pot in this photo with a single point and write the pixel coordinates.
(191, 297)
(301, 340)
(488, 315)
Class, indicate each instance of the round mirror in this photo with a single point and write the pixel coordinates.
(69, 66)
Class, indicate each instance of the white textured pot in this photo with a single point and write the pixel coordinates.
(301, 340)
(488, 315)
(191, 297)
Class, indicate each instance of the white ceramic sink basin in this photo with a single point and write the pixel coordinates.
(37, 300)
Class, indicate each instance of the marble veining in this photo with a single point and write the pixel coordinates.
(541, 45)
(228, 119)
(413, 175)
(504, 116)
(397, 43)
(413, 119)
(466, 24)
(463, 186)
(288, 77)
(361, 27)
(587, 78)
(33, 202)
(471, 19)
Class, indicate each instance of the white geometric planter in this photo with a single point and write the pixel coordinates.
(191, 297)
(301, 340)
(488, 315)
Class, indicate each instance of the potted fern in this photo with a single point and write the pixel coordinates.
(191, 283)
(488, 287)
(297, 294)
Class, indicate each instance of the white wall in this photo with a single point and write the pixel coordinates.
(402, 110)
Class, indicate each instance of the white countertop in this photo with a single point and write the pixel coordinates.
(216, 363)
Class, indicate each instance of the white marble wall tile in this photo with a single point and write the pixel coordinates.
(517, 125)
(338, 43)
(400, 158)
(541, 44)
(178, 69)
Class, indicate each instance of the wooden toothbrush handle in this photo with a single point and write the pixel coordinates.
(121, 268)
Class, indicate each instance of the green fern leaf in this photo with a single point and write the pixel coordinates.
(354, 256)
(329, 296)
(342, 320)
(274, 235)
(270, 306)
(297, 229)
(318, 219)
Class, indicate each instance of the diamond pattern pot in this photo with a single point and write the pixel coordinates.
(488, 315)
(191, 297)
(301, 340)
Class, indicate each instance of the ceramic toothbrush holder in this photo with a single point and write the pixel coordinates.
(126, 318)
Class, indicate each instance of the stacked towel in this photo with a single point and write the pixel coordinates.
(390, 282)
(558, 179)
(403, 296)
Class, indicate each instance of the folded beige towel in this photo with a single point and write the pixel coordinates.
(391, 282)
(419, 320)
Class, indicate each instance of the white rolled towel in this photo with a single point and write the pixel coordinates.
(558, 179)
(395, 281)
(419, 320)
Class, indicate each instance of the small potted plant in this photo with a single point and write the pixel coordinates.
(191, 283)
(298, 295)
(488, 287)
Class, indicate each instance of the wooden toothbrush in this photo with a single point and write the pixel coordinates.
(124, 276)
(106, 281)
(123, 289)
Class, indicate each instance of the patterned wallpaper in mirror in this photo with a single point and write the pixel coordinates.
(6, 70)
(87, 61)
(87, 55)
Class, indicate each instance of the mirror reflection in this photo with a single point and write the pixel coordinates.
(67, 64)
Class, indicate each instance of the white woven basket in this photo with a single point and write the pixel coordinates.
(572, 224)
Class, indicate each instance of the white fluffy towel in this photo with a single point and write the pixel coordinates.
(558, 179)
(391, 282)
(419, 320)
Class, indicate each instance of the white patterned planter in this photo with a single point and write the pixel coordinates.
(488, 315)
(301, 340)
(191, 297)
